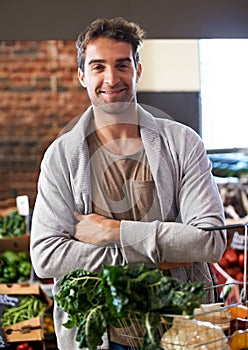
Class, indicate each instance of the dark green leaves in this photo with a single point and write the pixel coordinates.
(187, 298)
(14, 267)
(151, 336)
(94, 301)
(12, 225)
(92, 327)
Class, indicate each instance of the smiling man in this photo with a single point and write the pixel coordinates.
(123, 187)
(110, 74)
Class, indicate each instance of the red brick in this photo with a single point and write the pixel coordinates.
(40, 95)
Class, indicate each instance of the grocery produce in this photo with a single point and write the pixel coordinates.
(48, 324)
(24, 346)
(188, 334)
(231, 257)
(12, 225)
(232, 262)
(94, 301)
(14, 267)
(215, 313)
(239, 340)
(29, 307)
(241, 259)
(238, 311)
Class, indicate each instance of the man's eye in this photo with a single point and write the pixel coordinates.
(97, 67)
(122, 66)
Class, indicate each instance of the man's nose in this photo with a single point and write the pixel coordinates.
(111, 76)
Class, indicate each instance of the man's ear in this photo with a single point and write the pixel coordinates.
(139, 73)
(81, 78)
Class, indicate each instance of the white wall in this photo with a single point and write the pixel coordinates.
(170, 65)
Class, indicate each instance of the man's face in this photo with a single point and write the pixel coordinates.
(110, 75)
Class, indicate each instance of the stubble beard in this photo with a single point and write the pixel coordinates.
(115, 108)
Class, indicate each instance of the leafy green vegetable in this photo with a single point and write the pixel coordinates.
(94, 301)
(14, 266)
(12, 225)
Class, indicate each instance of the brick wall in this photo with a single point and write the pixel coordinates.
(39, 95)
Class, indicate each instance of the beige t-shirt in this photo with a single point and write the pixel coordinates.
(123, 189)
(122, 186)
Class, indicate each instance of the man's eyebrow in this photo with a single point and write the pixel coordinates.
(123, 59)
(95, 61)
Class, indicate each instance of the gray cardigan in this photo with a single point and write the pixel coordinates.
(188, 196)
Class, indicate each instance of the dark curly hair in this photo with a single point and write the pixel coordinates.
(116, 28)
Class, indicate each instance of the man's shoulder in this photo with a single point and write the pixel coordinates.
(69, 142)
(163, 122)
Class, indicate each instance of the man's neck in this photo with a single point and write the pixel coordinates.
(119, 134)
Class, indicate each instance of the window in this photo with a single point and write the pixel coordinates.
(224, 92)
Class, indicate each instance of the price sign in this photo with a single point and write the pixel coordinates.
(22, 203)
(238, 241)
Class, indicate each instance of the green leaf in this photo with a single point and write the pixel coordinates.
(92, 327)
(151, 337)
(70, 323)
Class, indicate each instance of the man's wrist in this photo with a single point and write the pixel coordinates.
(114, 232)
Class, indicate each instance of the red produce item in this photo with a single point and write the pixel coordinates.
(23, 346)
(233, 271)
(231, 257)
(241, 259)
(223, 263)
(240, 277)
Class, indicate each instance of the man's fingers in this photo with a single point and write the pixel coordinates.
(78, 216)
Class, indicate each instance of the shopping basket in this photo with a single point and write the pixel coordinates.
(212, 327)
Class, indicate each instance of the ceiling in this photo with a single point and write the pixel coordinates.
(64, 19)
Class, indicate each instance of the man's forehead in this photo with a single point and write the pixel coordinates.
(104, 48)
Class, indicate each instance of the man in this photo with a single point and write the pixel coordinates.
(123, 187)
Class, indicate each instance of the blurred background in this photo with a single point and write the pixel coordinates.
(40, 93)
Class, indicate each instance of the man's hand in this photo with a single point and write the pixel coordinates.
(97, 229)
(166, 265)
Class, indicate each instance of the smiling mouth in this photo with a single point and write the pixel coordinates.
(112, 92)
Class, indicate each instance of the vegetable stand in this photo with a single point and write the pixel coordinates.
(24, 308)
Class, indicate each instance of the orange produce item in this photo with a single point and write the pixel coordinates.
(239, 340)
(238, 311)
